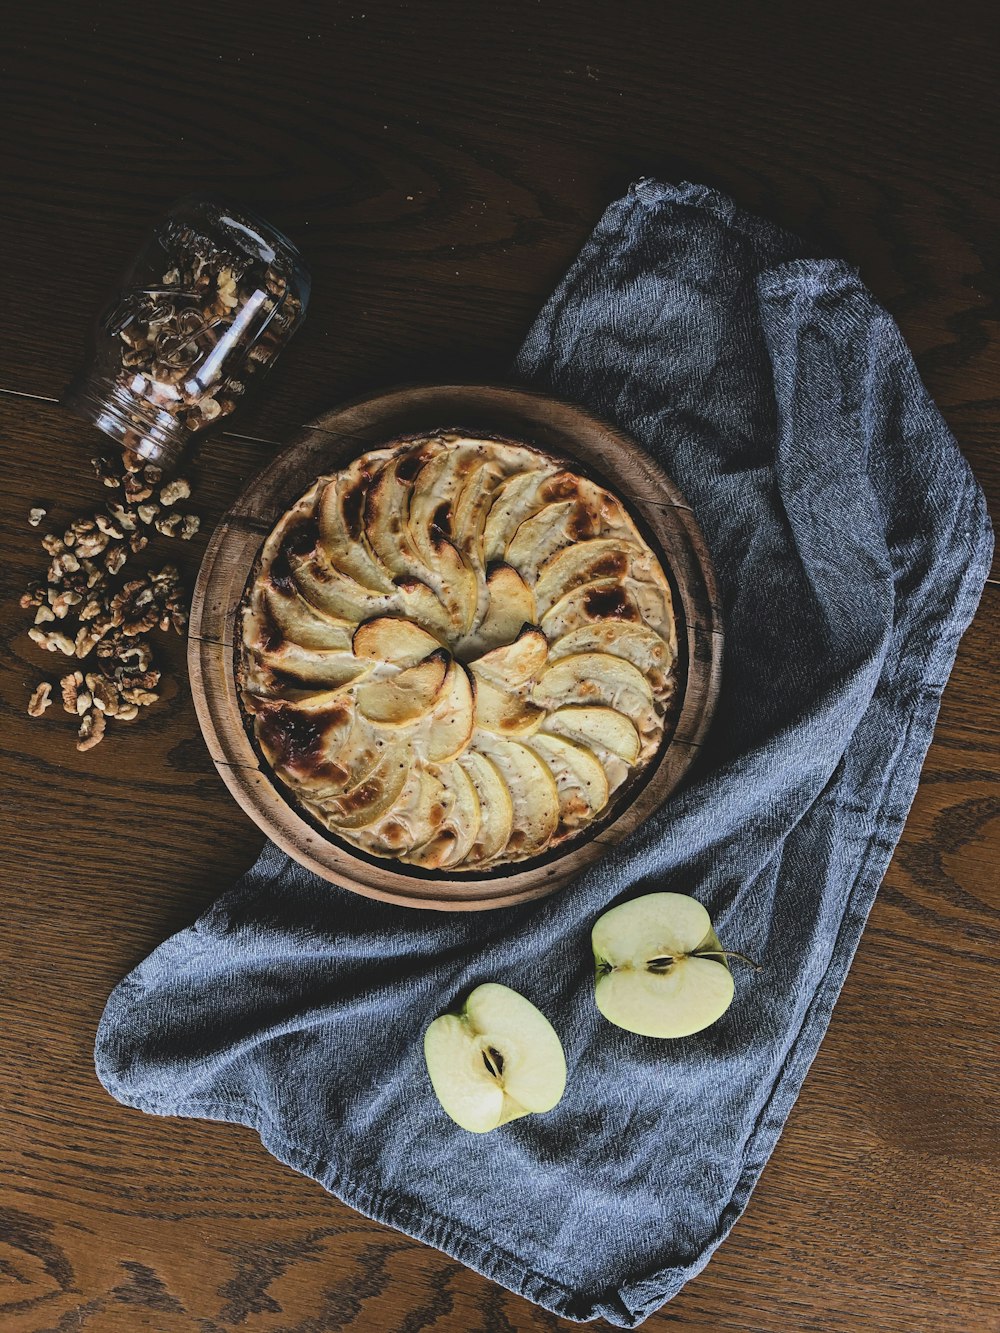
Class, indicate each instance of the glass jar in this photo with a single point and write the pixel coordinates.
(207, 305)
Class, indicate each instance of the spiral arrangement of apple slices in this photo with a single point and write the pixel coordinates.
(455, 651)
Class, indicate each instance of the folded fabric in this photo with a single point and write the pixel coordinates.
(851, 544)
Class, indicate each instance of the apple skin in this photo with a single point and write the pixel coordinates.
(649, 977)
(496, 1060)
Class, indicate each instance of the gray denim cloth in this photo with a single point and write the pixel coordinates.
(851, 543)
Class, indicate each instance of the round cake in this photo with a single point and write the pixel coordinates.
(455, 651)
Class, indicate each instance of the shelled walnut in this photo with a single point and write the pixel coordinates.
(40, 699)
(94, 613)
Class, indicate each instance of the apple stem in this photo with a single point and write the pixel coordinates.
(727, 953)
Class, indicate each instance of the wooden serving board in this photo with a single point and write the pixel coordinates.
(326, 445)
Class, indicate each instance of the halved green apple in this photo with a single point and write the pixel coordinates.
(497, 1059)
(660, 970)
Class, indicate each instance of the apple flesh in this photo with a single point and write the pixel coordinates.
(496, 1060)
(660, 970)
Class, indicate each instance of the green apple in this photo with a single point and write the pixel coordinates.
(497, 1059)
(661, 971)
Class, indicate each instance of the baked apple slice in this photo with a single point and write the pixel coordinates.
(449, 724)
(581, 782)
(496, 810)
(516, 663)
(393, 639)
(532, 791)
(395, 701)
(510, 606)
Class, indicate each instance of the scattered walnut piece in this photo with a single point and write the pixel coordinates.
(86, 641)
(109, 470)
(136, 490)
(63, 601)
(92, 573)
(134, 608)
(179, 489)
(33, 595)
(123, 516)
(52, 641)
(91, 729)
(40, 699)
(108, 527)
(141, 697)
(140, 680)
(63, 564)
(102, 616)
(169, 524)
(91, 544)
(106, 696)
(72, 687)
(114, 559)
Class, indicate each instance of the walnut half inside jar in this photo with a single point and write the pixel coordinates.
(207, 305)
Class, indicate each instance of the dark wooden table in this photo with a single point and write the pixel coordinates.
(440, 164)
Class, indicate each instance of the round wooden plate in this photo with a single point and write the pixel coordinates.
(326, 445)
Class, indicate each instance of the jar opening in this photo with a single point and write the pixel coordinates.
(144, 429)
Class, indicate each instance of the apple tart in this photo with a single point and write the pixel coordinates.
(455, 651)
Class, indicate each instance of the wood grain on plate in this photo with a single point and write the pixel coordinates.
(334, 440)
(441, 164)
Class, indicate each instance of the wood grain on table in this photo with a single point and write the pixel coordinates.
(440, 165)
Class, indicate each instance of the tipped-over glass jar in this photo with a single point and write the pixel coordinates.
(205, 308)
